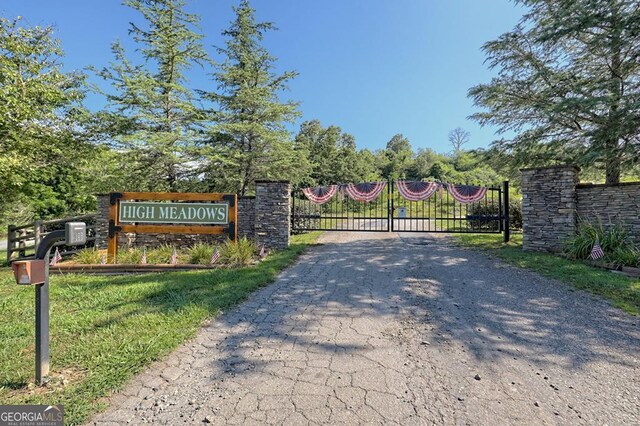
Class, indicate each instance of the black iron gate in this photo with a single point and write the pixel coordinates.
(390, 211)
(341, 213)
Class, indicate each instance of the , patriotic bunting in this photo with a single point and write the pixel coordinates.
(466, 193)
(174, 257)
(596, 251)
(57, 257)
(364, 192)
(416, 190)
(320, 194)
(215, 256)
(143, 260)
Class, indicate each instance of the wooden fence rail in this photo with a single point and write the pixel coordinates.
(23, 240)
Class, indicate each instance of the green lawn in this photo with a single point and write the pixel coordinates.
(622, 291)
(106, 329)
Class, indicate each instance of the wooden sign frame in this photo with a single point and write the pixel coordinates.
(116, 227)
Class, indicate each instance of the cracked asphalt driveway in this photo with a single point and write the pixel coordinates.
(398, 328)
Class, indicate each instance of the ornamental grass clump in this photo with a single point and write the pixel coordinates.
(130, 256)
(200, 253)
(241, 253)
(614, 240)
(88, 256)
(160, 255)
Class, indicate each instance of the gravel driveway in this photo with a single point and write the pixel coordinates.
(398, 328)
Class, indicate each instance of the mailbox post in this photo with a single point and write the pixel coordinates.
(36, 272)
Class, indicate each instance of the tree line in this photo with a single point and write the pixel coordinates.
(566, 88)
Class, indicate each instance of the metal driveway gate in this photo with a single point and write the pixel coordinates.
(390, 211)
(341, 213)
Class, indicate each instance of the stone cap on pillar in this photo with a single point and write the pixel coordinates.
(272, 181)
(561, 166)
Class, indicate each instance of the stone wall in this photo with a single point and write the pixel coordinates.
(548, 207)
(553, 202)
(273, 214)
(267, 212)
(615, 203)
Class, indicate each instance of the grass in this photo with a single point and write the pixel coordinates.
(622, 291)
(104, 330)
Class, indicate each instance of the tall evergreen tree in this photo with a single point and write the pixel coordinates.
(153, 114)
(249, 140)
(568, 84)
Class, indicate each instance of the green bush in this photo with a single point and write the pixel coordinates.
(492, 208)
(238, 254)
(614, 240)
(88, 256)
(200, 253)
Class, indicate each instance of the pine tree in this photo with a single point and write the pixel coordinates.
(249, 139)
(568, 85)
(153, 115)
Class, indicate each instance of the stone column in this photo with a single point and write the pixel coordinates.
(102, 221)
(548, 207)
(246, 217)
(273, 214)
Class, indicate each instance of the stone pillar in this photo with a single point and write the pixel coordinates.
(102, 221)
(548, 207)
(273, 214)
(246, 217)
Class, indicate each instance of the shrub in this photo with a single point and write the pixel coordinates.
(238, 254)
(130, 256)
(493, 209)
(613, 238)
(89, 256)
(200, 253)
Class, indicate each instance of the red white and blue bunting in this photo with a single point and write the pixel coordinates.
(409, 190)
(417, 190)
(364, 192)
(320, 194)
(466, 193)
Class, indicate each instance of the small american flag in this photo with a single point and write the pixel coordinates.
(596, 251)
(215, 256)
(263, 252)
(103, 259)
(143, 259)
(174, 257)
(57, 257)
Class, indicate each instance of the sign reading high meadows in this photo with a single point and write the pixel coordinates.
(189, 213)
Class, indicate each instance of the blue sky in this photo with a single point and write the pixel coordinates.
(374, 67)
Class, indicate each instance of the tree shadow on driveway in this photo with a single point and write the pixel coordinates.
(456, 295)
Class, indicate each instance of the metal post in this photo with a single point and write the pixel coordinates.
(506, 211)
(42, 307)
(9, 243)
(37, 234)
(42, 327)
(391, 211)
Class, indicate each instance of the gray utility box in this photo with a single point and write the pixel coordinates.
(75, 233)
(402, 212)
